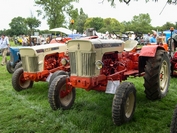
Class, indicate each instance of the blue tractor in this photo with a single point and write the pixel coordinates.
(15, 60)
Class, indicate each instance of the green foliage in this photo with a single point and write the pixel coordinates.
(18, 26)
(128, 1)
(32, 23)
(141, 23)
(74, 15)
(111, 24)
(55, 11)
(167, 26)
(96, 23)
(81, 22)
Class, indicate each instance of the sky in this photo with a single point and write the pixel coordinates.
(94, 8)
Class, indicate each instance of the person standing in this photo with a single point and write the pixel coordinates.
(24, 40)
(4, 48)
(147, 38)
(153, 39)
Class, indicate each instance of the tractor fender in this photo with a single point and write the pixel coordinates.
(145, 53)
(149, 50)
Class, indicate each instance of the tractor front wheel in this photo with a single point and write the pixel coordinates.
(55, 74)
(157, 75)
(18, 65)
(18, 81)
(124, 103)
(9, 67)
(60, 95)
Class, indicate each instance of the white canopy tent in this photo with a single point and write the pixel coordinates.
(62, 30)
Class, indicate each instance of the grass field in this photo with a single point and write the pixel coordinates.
(28, 111)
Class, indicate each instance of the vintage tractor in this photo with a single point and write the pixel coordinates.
(15, 60)
(103, 65)
(40, 62)
(173, 54)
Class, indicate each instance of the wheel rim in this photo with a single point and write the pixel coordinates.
(24, 83)
(164, 77)
(129, 105)
(65, 97)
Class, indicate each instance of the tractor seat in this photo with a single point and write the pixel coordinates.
(129, 45)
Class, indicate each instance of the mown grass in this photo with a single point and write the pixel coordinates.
(28, 111)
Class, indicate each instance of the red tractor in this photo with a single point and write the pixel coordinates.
(103, 65)
(173, 54)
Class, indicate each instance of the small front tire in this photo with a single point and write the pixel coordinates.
(18, 81)
(60, 95)
(18, 65)
(55, 74)
(9, 67)
(124, 103)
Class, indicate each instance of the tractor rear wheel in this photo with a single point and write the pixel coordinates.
(157, 75)
(55, 74)
(9, 67)
(18, 81)
(59, 95)
(18, 65)
(124, 103)
(173, 127)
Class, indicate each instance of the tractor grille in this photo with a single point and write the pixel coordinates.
(82, 64)
(88, 64)
(72, 60)
(30, 64)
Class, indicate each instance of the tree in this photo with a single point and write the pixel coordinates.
(54, 11)
(111, 24)
(81, 20)
(73, 15)
(127, 1)
(167, 26)
(18, 26)
(32, 23)
(141, 23)
(96, 23)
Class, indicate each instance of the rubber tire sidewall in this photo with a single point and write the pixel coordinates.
(55, 74)
(54, 92)
(119, 101)
(16, 80)
(9, 67)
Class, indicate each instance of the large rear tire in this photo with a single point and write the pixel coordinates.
(173, 127)
(9, 67)
(18, 81)
(58, 94)
(157, 75)
(124, 103)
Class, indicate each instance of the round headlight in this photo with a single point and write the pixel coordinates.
(63, 61)
(99, 64)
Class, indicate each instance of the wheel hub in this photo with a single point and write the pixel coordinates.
(163, 76)
(129, 105)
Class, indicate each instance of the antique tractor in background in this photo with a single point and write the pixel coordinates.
(173, 44)
(38, 63)
(103, 65)
(15, 60)
(173, 54)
